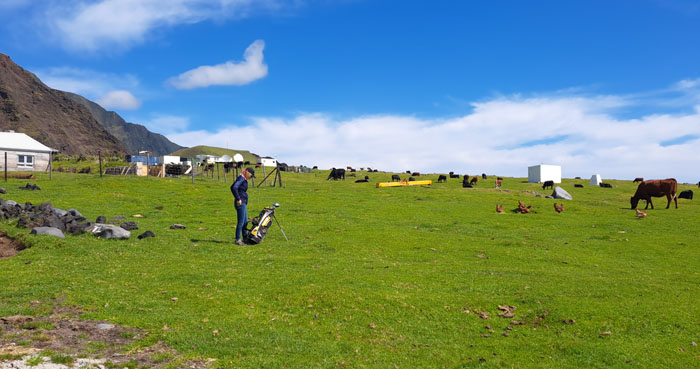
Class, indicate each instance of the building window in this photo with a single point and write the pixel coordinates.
(25, 161)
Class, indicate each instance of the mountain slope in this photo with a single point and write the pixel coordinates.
(49, 116)
(134, 136)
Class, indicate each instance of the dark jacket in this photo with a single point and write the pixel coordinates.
(239, 189)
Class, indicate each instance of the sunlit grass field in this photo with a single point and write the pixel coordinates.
(375, 277)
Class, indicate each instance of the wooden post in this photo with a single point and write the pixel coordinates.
(50, 165)
(5, 166)
(148, 159)
(99, 153)
(217, 171)
(192, 171)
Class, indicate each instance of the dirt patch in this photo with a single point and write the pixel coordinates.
(24, 338)
(9, 247)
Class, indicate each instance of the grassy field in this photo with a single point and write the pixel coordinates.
(375, 277)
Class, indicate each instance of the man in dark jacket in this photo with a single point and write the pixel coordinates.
(239, 189)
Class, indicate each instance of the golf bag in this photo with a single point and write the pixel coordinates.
(259, 225)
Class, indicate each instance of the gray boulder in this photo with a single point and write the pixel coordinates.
(3, 191)
(59, 212)
(129, 226)
(108, 231)
(49, 231)
(101, 219)
(560, 193)
(8, 203)
(75, 213)
(146, 235)
(177, 226)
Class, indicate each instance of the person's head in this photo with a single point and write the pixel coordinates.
(248, 173)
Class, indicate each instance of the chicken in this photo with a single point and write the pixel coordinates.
(640, 214)
(559, 208)
(499, 208)
(522, 208)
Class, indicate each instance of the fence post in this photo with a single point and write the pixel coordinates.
(99, 153)
(50, 165)
(192, 170)
(5, 166)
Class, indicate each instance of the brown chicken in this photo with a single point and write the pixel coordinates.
(522, 208)
(641, 214)
(559, 208)
(499, 208)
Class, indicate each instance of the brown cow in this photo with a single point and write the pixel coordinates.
(499, 182)
(655, 188)
(473, 180)
(638, 179)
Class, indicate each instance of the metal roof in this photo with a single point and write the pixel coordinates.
(13, 141)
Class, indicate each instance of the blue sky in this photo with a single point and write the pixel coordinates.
(609, 87)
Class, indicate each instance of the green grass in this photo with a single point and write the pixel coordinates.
(375, 278)
(38, 325)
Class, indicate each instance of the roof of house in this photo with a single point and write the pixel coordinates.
(21, 142)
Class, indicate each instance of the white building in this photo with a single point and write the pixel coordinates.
(268, 161)
(23, 153)
(595, 180)
(541, 173)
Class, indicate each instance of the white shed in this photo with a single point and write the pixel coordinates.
(595, 180)
(268, 161)
(541, 173)
(23, 153)
(171, 159)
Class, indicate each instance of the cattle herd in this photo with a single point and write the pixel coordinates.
(645, 190)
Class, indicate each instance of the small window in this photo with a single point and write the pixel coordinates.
(25, 161)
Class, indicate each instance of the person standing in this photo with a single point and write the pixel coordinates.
(239, 189)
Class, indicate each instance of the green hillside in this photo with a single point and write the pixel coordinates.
(406, 277)
(218, 151)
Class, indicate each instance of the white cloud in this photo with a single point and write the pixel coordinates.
(167, 124)
(488, 140)
(119, 99)
(250, 69)
(119, 24)
(108, 90)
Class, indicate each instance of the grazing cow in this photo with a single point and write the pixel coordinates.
(363, 180)
(605, 185)
(466, 178)
(638, 179)
(474, 180)
(578, 185)
(549, 184)
(336, 174)
(687, 194)
(349, 168)
(655, 188)
(411, 179)
(408, 172)
(698, 184)
(499, 182)
(395, 177)
(314, 168)
(442, 178)
(453, 175)
(483, 176)
(415, 174)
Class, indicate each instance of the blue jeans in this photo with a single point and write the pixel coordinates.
(242, 215)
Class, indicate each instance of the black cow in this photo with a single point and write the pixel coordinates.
(483, 176)
(605, 185)
(453, 175)
(395, 177)
(363, 180)
(408, 172)
(578, 185)
(415, 174)
(688, 194)
(442, 178)
(549, 184)
(336, 174)
(411, 179)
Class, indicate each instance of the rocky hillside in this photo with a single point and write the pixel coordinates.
(49, 116)
(134, 136)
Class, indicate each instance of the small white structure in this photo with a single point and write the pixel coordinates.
(171, 159)
(23, 153)
(541, 173)
(595, 180)
(268, 161)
